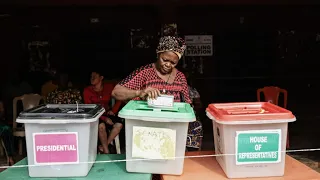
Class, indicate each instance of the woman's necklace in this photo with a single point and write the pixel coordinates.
(164, 91)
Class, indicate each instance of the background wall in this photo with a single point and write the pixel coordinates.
(247, 56)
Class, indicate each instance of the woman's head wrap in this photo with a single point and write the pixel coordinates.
(171, 43)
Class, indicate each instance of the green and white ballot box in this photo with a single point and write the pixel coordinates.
(250, 138)
(156, 137)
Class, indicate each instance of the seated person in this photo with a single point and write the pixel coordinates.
(100, 93)
(6, 136)
(64, 94)
(48, 87)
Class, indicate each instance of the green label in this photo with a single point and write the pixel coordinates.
(253, 147)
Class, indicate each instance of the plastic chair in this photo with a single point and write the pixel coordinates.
(116, 139)
(28, 101)
(271, 94)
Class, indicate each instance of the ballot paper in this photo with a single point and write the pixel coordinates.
(162, 101)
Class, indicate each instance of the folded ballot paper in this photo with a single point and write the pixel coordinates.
(163, 101)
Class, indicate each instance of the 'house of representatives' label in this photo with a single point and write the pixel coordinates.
(263, 146)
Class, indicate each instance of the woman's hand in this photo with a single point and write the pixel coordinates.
(150, 92)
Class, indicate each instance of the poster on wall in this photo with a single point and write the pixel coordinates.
(199, 45)
(39, 56)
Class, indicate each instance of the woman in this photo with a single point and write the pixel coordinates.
(64, 94)
(100, 93)
(6, 137)
(157, 78)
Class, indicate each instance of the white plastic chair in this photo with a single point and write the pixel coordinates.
(116, 139)
(28, 101)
